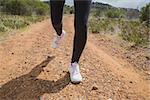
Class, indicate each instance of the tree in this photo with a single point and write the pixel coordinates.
(145, 14)
(24, 7)
(113, 13)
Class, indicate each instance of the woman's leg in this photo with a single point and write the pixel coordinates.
(82, 9)
(56, 14)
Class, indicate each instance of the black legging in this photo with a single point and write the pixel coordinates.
(82, 8)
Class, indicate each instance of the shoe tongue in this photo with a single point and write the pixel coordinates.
(74, 64)
(58, 36)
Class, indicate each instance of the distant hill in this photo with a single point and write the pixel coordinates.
(101, 5)
(129, 13)
(47, 2)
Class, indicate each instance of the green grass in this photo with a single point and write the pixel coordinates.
(135, 32)
(131, 31)
(102, 25)
(14, 22)
(10, 22)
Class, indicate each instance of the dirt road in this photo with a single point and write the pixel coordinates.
(27, 73)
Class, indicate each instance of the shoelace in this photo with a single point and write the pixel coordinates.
(58, 38)
(75, 71)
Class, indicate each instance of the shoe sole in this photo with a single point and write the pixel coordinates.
(78, 82)
(74, 82)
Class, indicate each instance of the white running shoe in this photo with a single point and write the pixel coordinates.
(74, 71)
(58, 39)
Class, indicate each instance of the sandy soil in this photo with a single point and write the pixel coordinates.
(31, 70)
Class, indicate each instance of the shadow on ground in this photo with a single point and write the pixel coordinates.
(29, 87)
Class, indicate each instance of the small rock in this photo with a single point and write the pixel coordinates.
(48, 57)
(67, 54)
(131, 82)
(127, 97)
(12, 53)
(3, 68)
(47, 70)
(43, 66)
(102, 39)
(132, 46)
(25, 62)
(60, 62)
(127, 57)
(64, 71)
(147, 57)
(35, 79)
(84, 59)
(94, 88)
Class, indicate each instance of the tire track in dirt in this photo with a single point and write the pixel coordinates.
(122, 69)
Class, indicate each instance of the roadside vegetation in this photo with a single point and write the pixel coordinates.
(9, 22)
(117, 21)
(24, 7)
(17, 14)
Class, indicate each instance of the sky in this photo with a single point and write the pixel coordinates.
(126, 3)
(120, 3)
